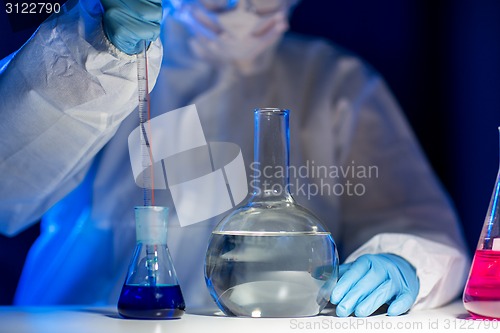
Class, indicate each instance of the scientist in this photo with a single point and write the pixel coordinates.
(68, 97)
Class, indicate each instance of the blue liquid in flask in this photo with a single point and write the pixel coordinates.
(151, 302)
(151, 289)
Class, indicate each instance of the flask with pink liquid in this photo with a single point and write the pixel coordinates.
(482, 291)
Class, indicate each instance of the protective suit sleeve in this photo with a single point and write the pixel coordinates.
(63, 96)
(402, 209)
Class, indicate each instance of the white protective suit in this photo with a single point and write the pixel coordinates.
(66, 110)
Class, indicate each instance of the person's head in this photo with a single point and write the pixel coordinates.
(232, 30)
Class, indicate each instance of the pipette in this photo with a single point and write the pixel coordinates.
(146, 153)
(145, 127)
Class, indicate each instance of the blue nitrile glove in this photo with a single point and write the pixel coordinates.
(128, 22)
(373, 280)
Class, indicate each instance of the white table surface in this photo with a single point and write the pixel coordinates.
(451, 318)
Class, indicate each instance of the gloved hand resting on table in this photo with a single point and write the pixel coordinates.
(373, 280)
(128, 22)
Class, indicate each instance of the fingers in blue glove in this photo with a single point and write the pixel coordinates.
(344, 268)
(374, 300)
(349, 276)
(127, 33)
(401, 304)
(147, 10)
(373, 280)
(358, 282)
(128, 22)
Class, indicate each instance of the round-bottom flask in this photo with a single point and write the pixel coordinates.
(271, 257)
(151, 289)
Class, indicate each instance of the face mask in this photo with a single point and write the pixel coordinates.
(233, 35)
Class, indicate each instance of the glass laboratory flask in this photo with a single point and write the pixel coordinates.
(482, 290)
(151, 289)
(271, 257)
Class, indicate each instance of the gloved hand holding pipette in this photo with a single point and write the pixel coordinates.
(373, 280)
(128, 22)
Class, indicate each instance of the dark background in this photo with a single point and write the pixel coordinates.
(441, 60)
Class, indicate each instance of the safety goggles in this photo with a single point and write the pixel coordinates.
(260, 7)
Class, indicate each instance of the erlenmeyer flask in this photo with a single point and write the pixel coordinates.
(271, 257)
(151, 289)
(482, 291)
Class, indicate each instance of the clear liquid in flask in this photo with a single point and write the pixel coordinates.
(271, 274)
